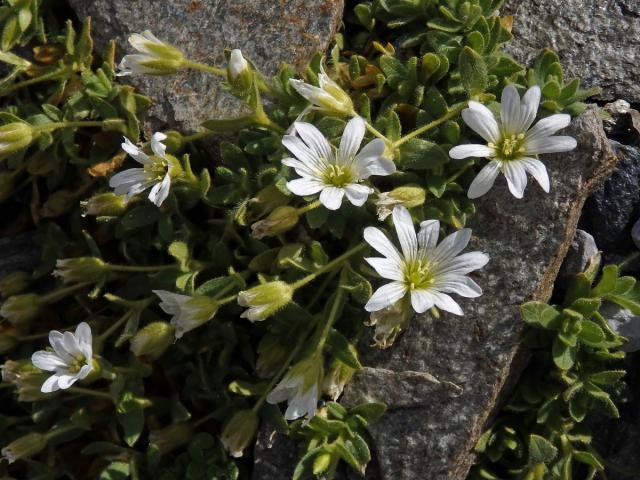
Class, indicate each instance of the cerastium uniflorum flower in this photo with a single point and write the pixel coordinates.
(207, 281)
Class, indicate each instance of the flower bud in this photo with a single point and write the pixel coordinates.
(408, 196)
(14, 283)
(15, 136)
(24, 447)
(328, 96)
(237, 64)
(321, 463)
(26, 378)
(239, 432)
(281, 220)
(336, 378)
(80, 269)
(174, 141)
(21, 309)
(152, 340)
(267, 200)
(106, 204)
(58, 203)
(169, 438)
(155, 57)
(265, 300)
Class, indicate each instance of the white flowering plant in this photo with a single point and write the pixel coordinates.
(211, 294)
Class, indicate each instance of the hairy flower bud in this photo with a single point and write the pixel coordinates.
(15, 136)
(267, 200)
(59, 203)
(21, 309)
(14, 283)
(153, 340)
(24, 447)
(26, 378)
(80, 269)
(239, 432)
(169, 438)
(154, 58)
(106, 204)
(328, 96)
(281, 220)
(408, 196)
(237, 65)
(265, 300)
(336, 378)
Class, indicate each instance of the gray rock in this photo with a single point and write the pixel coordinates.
(613, 208)
(624, 323)
(582, 253)
(444, 378)
(268, 32)
(430, 431)
(635, 233)
(597, 40)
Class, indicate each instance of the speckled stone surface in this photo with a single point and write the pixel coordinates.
(443, 378)
(267, 31)
(597, 40)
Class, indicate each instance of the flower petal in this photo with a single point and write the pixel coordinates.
(481, 120)
(83, 336)
(134, 151)
(160, 191)
(170, 302)
(484, 180)
(538, 171)
(386, 268)
(47, 361)
(529, 108)
(304, 186)
(516, 178)
(385, 296)
(463, 286)
(463, 264)
(301, 168)
(128, 177)
(55, 339)
(446, 303)
(510, 115)
(65, 381)
(471, 150)
(428, 234)
(157, 146)
(331, 197)
(380, 242)
(550, 145)
(50, 384)
(548, 126)
(357, 194)
(314, 139)
(452, 245)
(421, 300)
(352, 138)
(406, 232)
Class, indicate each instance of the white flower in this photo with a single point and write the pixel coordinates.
(426, 271)
(155, 57)
(71, 359)
(154, 174)
(328, 96)
(300, 387)
(237, 64)
(335, 173)
(264, 300)
(188, 312)
(511, 144)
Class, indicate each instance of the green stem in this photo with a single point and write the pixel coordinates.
(329, 266)
(378, 134)
(88, 391)
(33, 81)
(204, 419)
(104, 335)
(56, 125)
(308, 207)
(63, 292)
(447, 116)
(333, 314)
(261, 118)
(197, 136)
(205, 68)
(59, 431)
(137, 268)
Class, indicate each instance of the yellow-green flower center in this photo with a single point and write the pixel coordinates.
(77, 364)
(159, 166)
(418, 274)
(510, 147)
(338, 175)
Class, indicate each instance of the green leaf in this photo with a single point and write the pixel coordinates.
(564, 356)
(419, 154)
(540, 314)
(371, 411)
(343, 350)
(228, 125)
(140, 217)
(608, 281)
(607, 377)
(591, 334)
(215, 286)
(586, 306)
(473, 72)
(115, 471)
(541, 450)
(589, 459)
